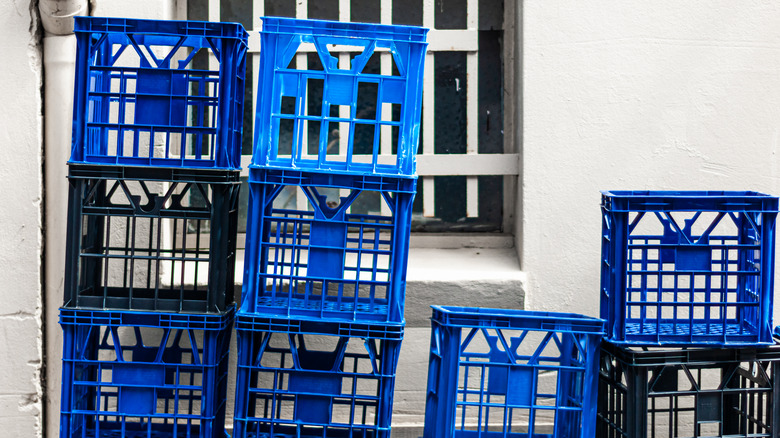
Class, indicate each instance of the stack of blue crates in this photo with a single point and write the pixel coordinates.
(322, 311)
(687, 293)
(152, 221)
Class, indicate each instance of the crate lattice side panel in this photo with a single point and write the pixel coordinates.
(313, 384)
(159, 93)
(492, 379)
(713, 398)
(130, 379)
(326, 261)
(687, 276)
(150, 245)
(308, 116)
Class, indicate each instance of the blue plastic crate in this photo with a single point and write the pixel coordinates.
(323, 103)
(144, 375)
(512, 374)
(158, 93)
(326, 261)
(314, 379)
(688, 268)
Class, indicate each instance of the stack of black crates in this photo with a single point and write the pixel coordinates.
(152, 217)
(687, 293)
(322, 314)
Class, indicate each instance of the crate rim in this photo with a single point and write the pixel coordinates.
(80, 22)
(701, 200)
(316, 24)
(339, 172)
(585, 324)
(393, 330)
(632, 355)
(639, 194)
(82, 170)
(115, 318)
(703, 344)
(335, 179)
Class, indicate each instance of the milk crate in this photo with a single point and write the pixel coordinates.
(306, 379)
(512, 374)
(701, 392)
(327, 246)
(139, 243)
(144, 374)
(688, 268)
(158, 93)
(332, 112)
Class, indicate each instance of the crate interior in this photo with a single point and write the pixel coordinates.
(514, 382)
(709, 399)
(147, 245)
(144, 380)
(340, 383)
(154, 98)
(327, 249)
(338, 103)
(693, 273)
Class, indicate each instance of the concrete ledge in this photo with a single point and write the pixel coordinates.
(462, 277)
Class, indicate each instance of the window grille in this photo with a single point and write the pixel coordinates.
(464, 157)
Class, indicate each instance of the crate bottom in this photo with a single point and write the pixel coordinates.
(328, 305)
(315, 432)
(483, 434)
(458, 434)
(293, 435)
(114, 430)
(682, 329)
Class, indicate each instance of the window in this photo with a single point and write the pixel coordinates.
(466, 162)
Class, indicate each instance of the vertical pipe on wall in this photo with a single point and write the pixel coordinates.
(59, 54)
(58, 60)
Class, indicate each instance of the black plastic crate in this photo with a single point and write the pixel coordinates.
(708, 392)
(141, 242)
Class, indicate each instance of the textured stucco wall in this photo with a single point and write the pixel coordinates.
(618, 94)
(21, 139)
(637, 95)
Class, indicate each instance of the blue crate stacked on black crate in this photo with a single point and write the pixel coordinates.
(331, 186)
(152, 224)
(687, 293)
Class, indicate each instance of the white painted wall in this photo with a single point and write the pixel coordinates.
(21, 140)
(615, 94)
(630, 94)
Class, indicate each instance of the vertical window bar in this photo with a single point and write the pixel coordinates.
(345, 10)
(258, 10)
(302, 63)
(472, 79)
(214, 15)
(385, 69)
(427, 113)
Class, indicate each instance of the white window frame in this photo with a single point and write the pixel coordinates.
(472, 164)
